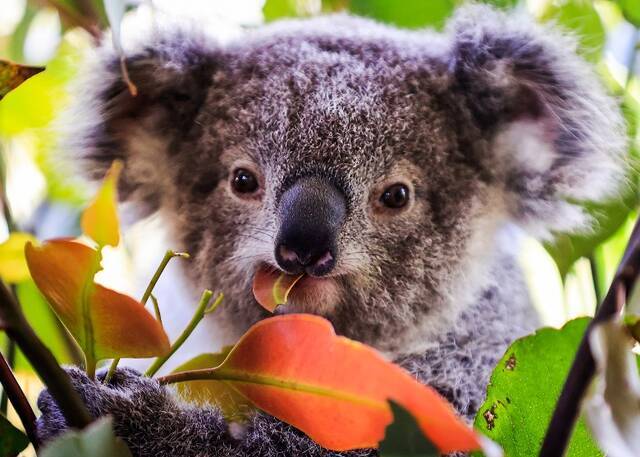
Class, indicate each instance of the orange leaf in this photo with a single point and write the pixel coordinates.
(105, 323)
(100, 219)
(271, 288)
(334, 389)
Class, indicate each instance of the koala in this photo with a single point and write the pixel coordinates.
(393, 168)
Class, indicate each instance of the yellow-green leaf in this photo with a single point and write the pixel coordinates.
(13, 266)
(100, 219)
(234, 406)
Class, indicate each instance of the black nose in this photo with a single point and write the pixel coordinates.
(311, 214)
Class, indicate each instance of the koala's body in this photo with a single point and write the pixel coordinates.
(387, 165)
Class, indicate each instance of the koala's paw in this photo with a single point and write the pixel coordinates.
(120, 398)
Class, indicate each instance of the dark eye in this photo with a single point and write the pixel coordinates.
(395, 196)
(244, 182)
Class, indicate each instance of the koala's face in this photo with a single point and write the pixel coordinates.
(377, 163)
(336, 166)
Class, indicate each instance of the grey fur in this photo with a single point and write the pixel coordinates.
(496, 121)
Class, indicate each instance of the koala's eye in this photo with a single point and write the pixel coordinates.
(395, 196)
(244, 182)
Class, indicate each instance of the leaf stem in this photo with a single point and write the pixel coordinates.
(156, 308)
(195, 320)
(19, 401)
(145, 297)
(43, 362)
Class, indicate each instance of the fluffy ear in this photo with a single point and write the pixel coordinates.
(554, 133)
(172, 71)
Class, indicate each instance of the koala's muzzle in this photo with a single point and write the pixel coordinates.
(311, 212)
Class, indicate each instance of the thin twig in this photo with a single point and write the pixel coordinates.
(195, 320)
(145, 297)
(583, 368)
(19, 401)
(43, 362)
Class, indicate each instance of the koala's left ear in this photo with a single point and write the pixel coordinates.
(555, 135)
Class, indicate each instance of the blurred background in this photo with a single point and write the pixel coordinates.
(41, 194)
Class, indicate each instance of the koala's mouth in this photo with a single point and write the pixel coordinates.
(282, 293)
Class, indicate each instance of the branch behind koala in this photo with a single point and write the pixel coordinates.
(583, 368)
(42, 360)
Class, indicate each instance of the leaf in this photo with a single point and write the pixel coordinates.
(295, 368)
(612, 409)
(581, 18)
(278, 9)
(631, 11)
(524, 388)
(12, 440)
(13, 266)
(409, 13)
(403, 437)
(13, 74)
(46, 325)
(271, 288)
(105, 323)
(19, 113)
(234, 406)
(100, 219)
(97, 440)
(566, 249)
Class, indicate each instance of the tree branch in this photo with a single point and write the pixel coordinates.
(19, 401)
(583, 368)
(44, 363)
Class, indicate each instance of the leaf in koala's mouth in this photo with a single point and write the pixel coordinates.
(271, 288)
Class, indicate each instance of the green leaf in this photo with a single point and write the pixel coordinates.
(607, 217)
(278, 9)
(97, 440)
(631, 11)
(505, 4)
(524, 389)
(409, 13)
(12, 440)
(403, 437)
(45, 324)
(581, 18)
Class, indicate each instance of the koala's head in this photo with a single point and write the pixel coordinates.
(379, 162)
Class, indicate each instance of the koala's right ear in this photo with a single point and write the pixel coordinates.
(104, 122)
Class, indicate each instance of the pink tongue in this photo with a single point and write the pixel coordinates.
(271, 288)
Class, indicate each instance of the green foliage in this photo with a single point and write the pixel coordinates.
(409, 13)
(581, 18)
(524, 388)
(97, 440)
(12, 440)
(278, 9)
(631, 11)
(403, 437)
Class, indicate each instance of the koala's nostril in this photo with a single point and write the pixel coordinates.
(287, 254)
(294, 261)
